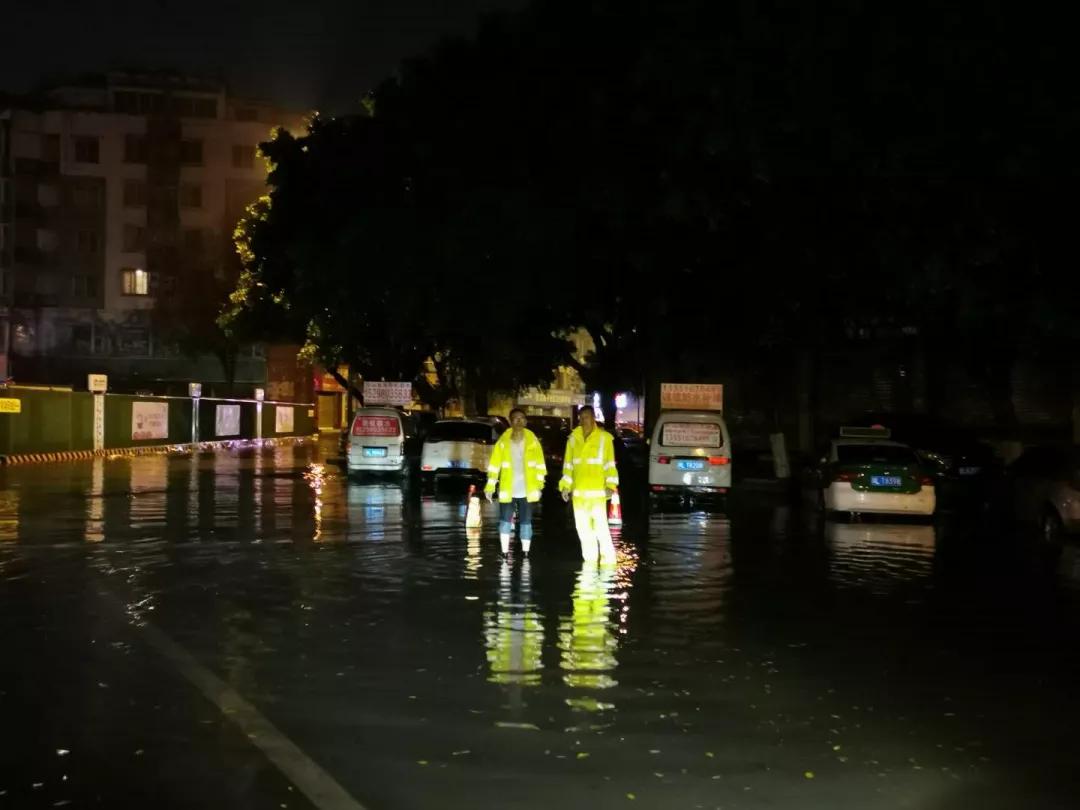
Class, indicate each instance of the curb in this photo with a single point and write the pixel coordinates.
(151, 450)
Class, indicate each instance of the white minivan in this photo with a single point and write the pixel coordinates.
(381, 440)
(690, 452)
(457, 448)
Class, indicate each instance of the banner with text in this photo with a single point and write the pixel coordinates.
(691, 397)
(149, 420)
(387, 393)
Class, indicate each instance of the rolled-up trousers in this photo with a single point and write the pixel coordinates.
(590, 517)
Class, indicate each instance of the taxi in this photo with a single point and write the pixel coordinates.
(865, 471)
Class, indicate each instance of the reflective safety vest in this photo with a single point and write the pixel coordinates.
(589, 466)
(500, 468)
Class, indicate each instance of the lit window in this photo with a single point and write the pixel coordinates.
(135, 280)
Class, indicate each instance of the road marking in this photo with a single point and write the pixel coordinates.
(321, 789)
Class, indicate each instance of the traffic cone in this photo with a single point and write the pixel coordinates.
(472, 514)
(614, 515)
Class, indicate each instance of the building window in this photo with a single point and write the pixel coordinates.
(193, 240)
(134, 281)
(50, 148)
(243, 157)
(83, 286)
(47, 240)
(135, 148)
(87, 149)
(167, 285)
(247, 114)
(191, 152)
(88, 243)
(134, 194)
(190, 195)
(48, 195)
(86, 194)
(134, 238)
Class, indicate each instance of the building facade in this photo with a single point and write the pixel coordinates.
(118, 199)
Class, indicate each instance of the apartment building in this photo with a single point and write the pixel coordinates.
(118, 196)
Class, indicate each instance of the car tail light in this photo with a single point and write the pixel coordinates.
(719, 461)
(844, 476)
(427, 468)
(658, 488)
(663, 459)
(926, 480)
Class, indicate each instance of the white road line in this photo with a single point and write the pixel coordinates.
(316, 784)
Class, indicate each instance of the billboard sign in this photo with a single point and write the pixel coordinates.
(691, 397)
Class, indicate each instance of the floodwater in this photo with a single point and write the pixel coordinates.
(152, 607)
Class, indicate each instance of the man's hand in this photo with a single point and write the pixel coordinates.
(609, 492)
(565, 496)
(488, 495)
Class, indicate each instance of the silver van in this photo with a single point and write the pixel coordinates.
(690, 452)
(381, 440)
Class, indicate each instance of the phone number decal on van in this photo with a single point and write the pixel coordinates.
(375, 426)
(690, 434)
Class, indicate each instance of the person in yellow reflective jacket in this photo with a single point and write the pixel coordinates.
(517, 466)
(590, 477)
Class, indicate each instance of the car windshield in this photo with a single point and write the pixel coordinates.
(460, 432)
(875, 454)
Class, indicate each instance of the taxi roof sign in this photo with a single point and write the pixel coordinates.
(872, 432)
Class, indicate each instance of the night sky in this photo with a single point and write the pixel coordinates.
(321, 54)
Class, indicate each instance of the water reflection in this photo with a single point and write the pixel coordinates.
(880, 557)
(9, 515)
(95, 504)
(588, 636)
(514, 630)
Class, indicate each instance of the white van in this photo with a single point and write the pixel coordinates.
(690, 452)
(381, 440)
(457, 448)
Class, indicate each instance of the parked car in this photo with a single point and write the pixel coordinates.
(381, 440)
(864, 471)
(1044, 489)
(457, 448)
(690, 453)
(966, 470)
(552, 431)
(499, 422)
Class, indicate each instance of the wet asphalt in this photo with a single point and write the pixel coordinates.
(246, 628)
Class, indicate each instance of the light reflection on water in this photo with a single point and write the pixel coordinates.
(880, 557)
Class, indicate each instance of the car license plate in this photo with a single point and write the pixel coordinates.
(458, 464)
(970, 470)
(374, 452)
(885, 480)
(690, 465)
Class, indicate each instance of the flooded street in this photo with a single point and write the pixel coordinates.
(252, 629)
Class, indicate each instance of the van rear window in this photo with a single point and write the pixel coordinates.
(691, 434)
(383, 426)
(461, 432)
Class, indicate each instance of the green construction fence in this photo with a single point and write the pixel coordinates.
(51, 420)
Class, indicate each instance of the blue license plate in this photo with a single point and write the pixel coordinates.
(885, 481)
(458, 464)
(374, 452)
(689, 465)
(970, 470)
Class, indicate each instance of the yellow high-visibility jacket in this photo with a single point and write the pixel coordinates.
(589, 466)
(501, 472)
